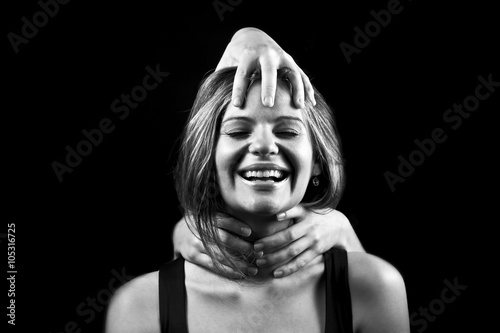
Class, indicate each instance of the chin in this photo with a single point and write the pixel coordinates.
(268, 207)
(264, 207)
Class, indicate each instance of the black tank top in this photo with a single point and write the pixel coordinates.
(172, 291)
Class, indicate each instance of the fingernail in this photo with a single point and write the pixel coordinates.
(258, 247)
(278, 274)
(261, 262)
(246, 231)
(237, 101)
(268, 101)
(258, 254)
(281, 216)
(251, 271)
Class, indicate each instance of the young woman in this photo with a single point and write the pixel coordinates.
(253, 162)
(313, 233)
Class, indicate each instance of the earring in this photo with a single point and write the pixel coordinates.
(315, 181)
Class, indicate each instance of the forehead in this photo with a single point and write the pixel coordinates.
(253, 107)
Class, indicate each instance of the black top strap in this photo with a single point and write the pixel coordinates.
(172, 297)
(338, 294)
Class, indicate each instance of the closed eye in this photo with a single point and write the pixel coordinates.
(237, 134)
(287, 134)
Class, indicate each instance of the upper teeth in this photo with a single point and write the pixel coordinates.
(263, 174)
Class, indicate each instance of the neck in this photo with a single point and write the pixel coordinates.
(263, 226)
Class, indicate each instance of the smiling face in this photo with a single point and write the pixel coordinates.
(264, 156)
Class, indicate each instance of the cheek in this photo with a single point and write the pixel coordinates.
(220, 165)
(301, 157)
(303, 154)
(226, 156)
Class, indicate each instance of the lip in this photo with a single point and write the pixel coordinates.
(264, 184)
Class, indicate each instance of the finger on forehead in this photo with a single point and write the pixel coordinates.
(269, 74)
(308, 88)
(245, 68)
(295, 79)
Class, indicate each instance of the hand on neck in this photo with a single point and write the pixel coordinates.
(263, 226)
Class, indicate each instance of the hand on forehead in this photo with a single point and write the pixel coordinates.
(283, 96)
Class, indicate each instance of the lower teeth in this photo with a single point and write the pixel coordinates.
(264, 179)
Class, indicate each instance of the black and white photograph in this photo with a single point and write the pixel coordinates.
(249, 166)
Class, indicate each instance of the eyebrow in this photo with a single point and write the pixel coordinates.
(250, 120)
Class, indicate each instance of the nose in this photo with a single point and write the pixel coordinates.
(263, 143)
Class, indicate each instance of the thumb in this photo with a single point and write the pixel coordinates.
(296, 212)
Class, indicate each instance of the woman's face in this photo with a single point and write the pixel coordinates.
(264, 156)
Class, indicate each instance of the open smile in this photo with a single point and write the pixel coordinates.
(264, 176)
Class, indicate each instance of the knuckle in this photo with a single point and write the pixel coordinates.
(292, 72)
(293, 251)
(273, 242)
(191, 254)
(290, 235)
(219, 221)
(316, 237)
(286, 56)
(268, 67)
(241, 72)
(223, 236)
(270, 90)
(309, 89)
(274, 53)
(317, 248)
(238, 90)
(264, 49)
(249, 51)
(197, 242)
(288, 270)
(300, 263)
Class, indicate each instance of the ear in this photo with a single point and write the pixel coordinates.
(316, 169)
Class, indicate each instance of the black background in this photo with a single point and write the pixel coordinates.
(115, 211)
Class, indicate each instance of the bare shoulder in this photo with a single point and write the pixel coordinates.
(135, 307)
(378, 295)
(370, 272)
